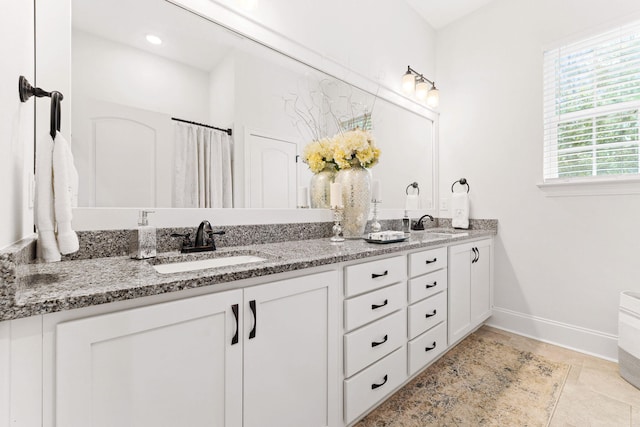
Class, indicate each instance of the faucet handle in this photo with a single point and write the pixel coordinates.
(186, 239)
(417, 225)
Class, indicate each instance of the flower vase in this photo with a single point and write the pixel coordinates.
(319, 188)
(356, 198)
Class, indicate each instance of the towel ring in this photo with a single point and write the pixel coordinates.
(26, 91)
(414, 185)
(461, 181)
(55, 114)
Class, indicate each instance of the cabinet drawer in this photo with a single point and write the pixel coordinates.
(373, 342)
(374, 275)
(374, 383)
(366, 308)
(427, 261)
(426, 347)
(426, 314)
(427, 285)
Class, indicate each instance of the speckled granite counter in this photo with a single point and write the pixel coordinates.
(28, 289)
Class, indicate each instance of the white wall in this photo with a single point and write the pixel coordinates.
(221, 92)
(375, 38)
(560, 262)
(114, 72)
(16, 123)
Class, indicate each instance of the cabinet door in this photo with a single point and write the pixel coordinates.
(459, 305)
(290, 358)
(170, 364)
(481, 289)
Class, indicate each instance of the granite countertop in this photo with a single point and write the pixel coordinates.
(39, 288)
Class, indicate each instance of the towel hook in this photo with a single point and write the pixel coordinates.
(414, 185)
(461, 181)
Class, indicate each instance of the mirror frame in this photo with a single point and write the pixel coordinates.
(53, 65)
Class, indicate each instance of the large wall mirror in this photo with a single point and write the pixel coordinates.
(126, 93)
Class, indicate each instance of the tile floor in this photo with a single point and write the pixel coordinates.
(594, 394)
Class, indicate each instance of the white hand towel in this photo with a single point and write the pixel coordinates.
(412, 202)
(47, 246)
(65, 191)
(460, 210)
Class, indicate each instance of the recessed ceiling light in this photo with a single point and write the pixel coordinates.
(153, 39)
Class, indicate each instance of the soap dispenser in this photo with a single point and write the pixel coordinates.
(142, 243)
(406, 223)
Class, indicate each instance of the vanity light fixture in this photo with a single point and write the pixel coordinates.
(154, 39)
(423, 88)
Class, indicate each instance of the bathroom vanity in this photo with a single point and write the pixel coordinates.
(317, 334)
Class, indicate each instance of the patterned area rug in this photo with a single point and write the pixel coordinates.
(480, 382)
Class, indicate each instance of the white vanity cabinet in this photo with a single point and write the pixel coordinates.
(263, 355)
(375, 332)
(427, 313)
(470, 287)
(168, 364)
(262, 352)
(291, 352)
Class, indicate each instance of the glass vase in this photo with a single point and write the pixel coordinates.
(319, 188)
(356, 197)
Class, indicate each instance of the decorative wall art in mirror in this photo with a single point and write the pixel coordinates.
(138, 66)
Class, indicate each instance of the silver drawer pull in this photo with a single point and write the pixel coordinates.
(431, 314)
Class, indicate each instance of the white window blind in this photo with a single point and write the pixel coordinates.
(592, 106)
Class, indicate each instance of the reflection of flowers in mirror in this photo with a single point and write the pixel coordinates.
(319, 154)
(345, 149)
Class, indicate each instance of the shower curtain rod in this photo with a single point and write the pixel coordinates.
(228, 131)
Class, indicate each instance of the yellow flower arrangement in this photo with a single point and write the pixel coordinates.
(342, 151)
(355, 147)
(319, 154)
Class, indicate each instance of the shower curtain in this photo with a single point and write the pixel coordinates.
(202, 172)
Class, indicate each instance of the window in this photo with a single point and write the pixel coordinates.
(592, 107)
(363, 122)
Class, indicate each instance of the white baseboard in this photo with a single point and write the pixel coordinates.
(573, 337)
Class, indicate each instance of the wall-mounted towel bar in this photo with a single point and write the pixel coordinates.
(26, 91)
(461, 181)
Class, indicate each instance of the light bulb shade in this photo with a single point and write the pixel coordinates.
(408, 83)
(433, 98)
(422, 89)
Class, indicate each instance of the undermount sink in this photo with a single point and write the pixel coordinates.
(203, 264)
(437, 235)
(446, 235)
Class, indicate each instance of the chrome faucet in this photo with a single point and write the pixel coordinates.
(418, 225)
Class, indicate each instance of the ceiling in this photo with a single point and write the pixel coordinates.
(439, 13)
